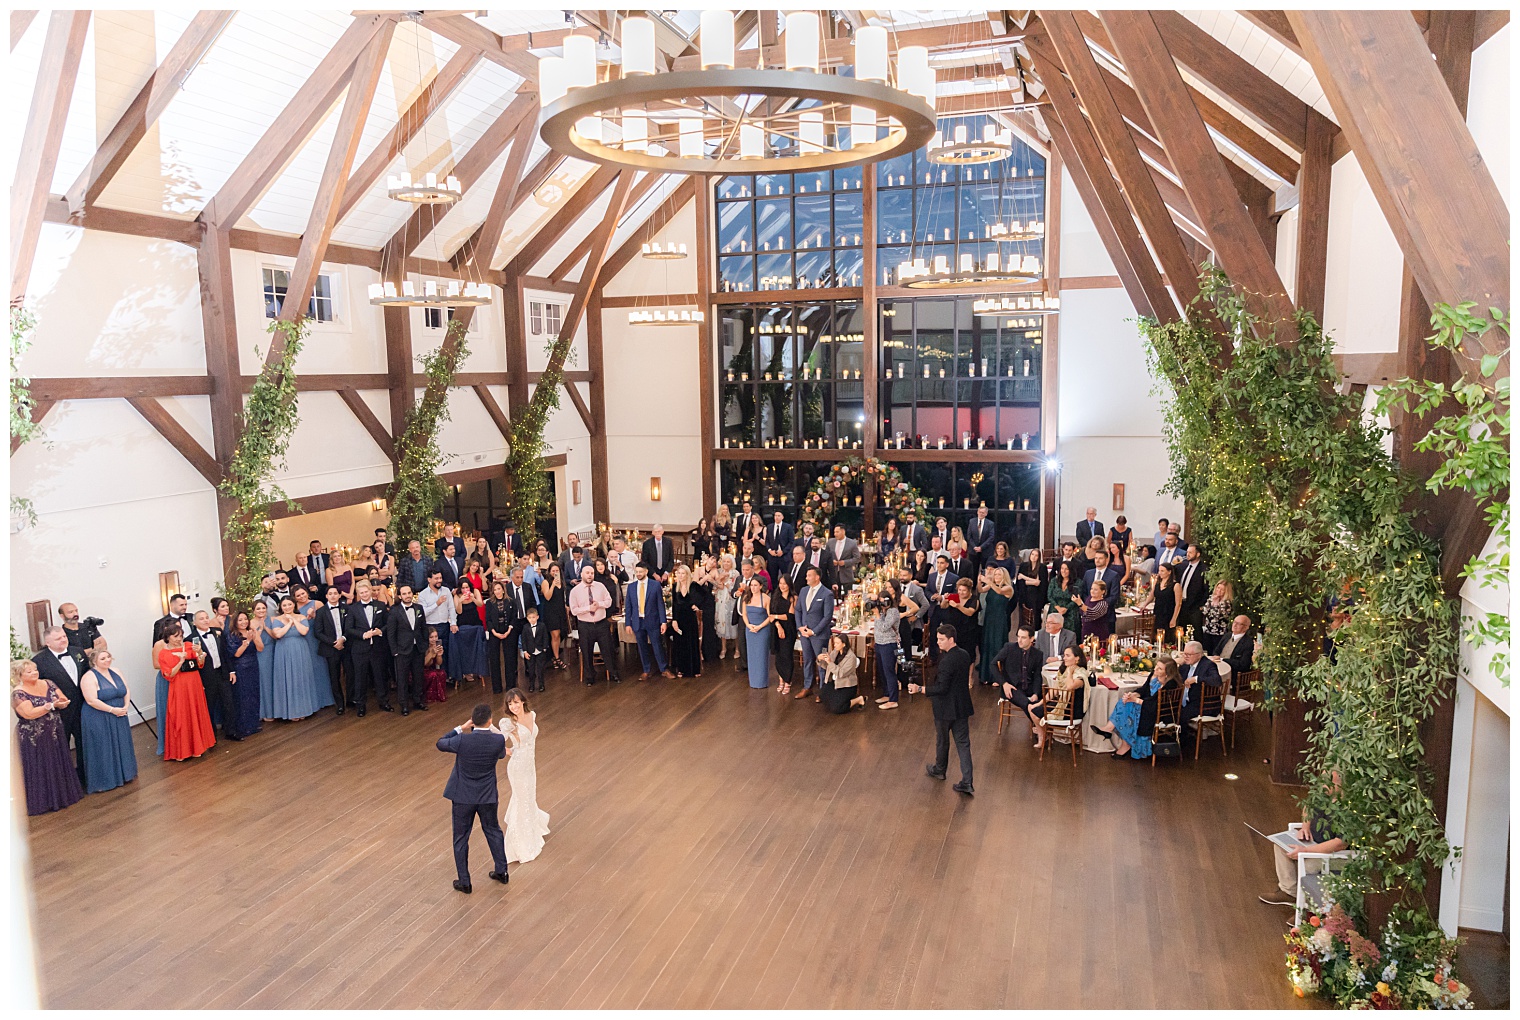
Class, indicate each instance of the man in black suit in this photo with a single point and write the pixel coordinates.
(742, 519)
(65, 667)
(950, 694)
(1239, 647)
(317, 560)
(942, 532)
(1193, 590)
(365, 631)
(332, 645)
(1090, 528)
(512, 540)
(303, 575)
(573, 559)
(960, 566)
(659, 554)
(981, 536)
(214, 673)
(452, 564)
(177, 606)
(915, 535)
(796, 571)
(476, 747)
(818, 555)
(533, 646)
(1195, 669)
(778, 539)
(406, 632)
(1018, 667)
(520, 598)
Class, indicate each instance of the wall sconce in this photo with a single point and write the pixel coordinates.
(168, 584)
(654, 489)
(377, 504)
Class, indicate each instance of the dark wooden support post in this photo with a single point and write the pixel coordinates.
(1313, 218)
(706, 338)
(398, 367)
(517, 345)
(601, 499)
(219, 325)
(1050, 362)
(870, 348)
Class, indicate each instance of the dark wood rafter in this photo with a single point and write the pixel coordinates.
(579, 403)
(178, 437)
(479, 249)
(1235, 239)
(398, 370)
(647, 231)
(40, 408)
(41, 138)
(1257, 198)
(151, 101)
(368, 419)
(411, 121)
(1275, 24)
(498, 416)
(1485, 24)
(1108, 127)
(573, 208)
(595, 354)
(516, 333)
(1313, 244)
(641, 190)
(219, 328)
(294, 125)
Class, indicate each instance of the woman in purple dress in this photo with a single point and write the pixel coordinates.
(47, 768)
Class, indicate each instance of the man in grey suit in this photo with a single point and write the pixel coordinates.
(472, 787)
(1054, 639)
(815, 622)
(846, 555)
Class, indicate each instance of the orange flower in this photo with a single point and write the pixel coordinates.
(1298, 992)
(1452, 985)
(1314, 920)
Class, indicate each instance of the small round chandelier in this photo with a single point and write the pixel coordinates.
(672, 250)
(960, 149)
(665, 317)
(725, 119)
(428, 191)
(922, 274)
(453, 293)
(1018, 304)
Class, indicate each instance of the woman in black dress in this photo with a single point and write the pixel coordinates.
(701, 583)
(921, 566)
(686, 641)
(702, 538)
(888, 541)
(1121, 534)
(1163, 599)
(722, 529)
(1033, 585)
(968, 632)
(555, 618)
(784, 605)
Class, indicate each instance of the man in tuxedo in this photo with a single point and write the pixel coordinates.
(915, 535)
(406, 634)
(941, 589)
(281, 590)
(65, 667)
(303, 576)
(533, 646)
(447, 538)
(1018, 667)
(412, 569)
(845, 552)
(981, 536)
(214, 673)
(659, 554)
(438, 607)
(1239, 648)
(1193, 589)
(332, 644)
(316, 559)
(451, 564)
(1053, 641)
(177, 606)
(520, 598)
(817, 555)
(1111, 576)
(589, 602)
(960, 566)
(1091, 528)
(573, 559)
(815, 622)
(644, 614)
(476, 747)
(364, 629)
(950, 694)
(742, 519)
(778, 539)
(941, 532)
(1196, 669)
(796, 571)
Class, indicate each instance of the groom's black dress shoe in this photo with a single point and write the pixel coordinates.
(499, 876)
(360, 713)
(933, 772)
(387, 707)
(405, 710)
(963, 787)
(462, 887)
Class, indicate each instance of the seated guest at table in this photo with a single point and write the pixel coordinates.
(1095, 609)
(243, 643)
(1017, 667)
(468, 644)
(659, 554)
(109, 759)
(1072, 677)
(963, 614)
(757, 642)
(1147, 564)
(1002, 556)
(552, 603)
(1238, 649)
(1163, 600)
(1196, 669)
(997, 596)
(339, 575)
(1133, 719)
(47, 772)
(887, 540)
(1121, 534)
(921, 566)
(783, 612)
(1062, 596)
(187, 723)
(1318, 838)
(839, 686)
(1054, 639)
(686, 635)
(1217, 613)
(886, 618)
(1105, 570)
(1032, 583)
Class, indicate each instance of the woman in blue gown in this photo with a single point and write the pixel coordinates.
(266, 660)
(757, 644)
(241, 647)
(1133, 720)
(321, 687)
(292, 692)
(109, 760)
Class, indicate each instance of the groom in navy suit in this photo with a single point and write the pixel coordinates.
(815, 622)
(472, 787)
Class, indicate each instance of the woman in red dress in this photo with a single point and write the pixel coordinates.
(433, 676)
(187, 728)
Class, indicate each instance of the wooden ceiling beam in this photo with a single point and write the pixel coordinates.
(580, 406)
(564, 217)
(149, 104)
(367, 418)
(833, 52)
(1485, 23)
(293, 126)
(41, 139)
(20, 22)
(1313, 220)
(1168, 101)
(178, 437)
(479, 249)
(509, 51)
(1275, 24)
(412, 119)
(640, 190)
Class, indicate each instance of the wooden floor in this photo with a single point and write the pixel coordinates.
(711, 847)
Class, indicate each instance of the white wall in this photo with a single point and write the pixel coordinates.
(1488, 106)
(1364, 269)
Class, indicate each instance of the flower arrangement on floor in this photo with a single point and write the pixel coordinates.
(826, 494)
(1411, 969)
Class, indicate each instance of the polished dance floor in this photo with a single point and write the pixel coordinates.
(711, 847)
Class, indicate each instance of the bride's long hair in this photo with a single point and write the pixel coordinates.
(506, 705)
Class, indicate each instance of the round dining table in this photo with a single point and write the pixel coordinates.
(1101, 702)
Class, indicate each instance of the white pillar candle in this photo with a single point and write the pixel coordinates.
(862, 125)
(635, 132)
(871, 53)
(580, 61)
(717, 39)
(801, 38)
(691, 138)
(638, 46)
(810, 131)
(751, 142)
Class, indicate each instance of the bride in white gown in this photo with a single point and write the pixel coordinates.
(525, 825)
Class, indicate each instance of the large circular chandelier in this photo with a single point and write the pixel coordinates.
(454, 293)
(725, 119)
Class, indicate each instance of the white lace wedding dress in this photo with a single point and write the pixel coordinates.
(525, 825)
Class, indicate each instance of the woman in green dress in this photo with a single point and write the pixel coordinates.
(1063, 597)
(997, 612)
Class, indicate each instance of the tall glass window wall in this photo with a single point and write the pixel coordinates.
(790, 231)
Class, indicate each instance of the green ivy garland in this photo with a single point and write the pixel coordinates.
(23, 429)
(269, 420)
(525, 470)
(417, 494)
(1474, 445)
(1297, 504)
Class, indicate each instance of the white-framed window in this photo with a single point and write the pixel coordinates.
(323, 306)
(551, 318)
(433, 318)
(536, 318)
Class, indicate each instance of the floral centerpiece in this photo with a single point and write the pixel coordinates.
(1412, 968)
(1136, 658)
(829, 492)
